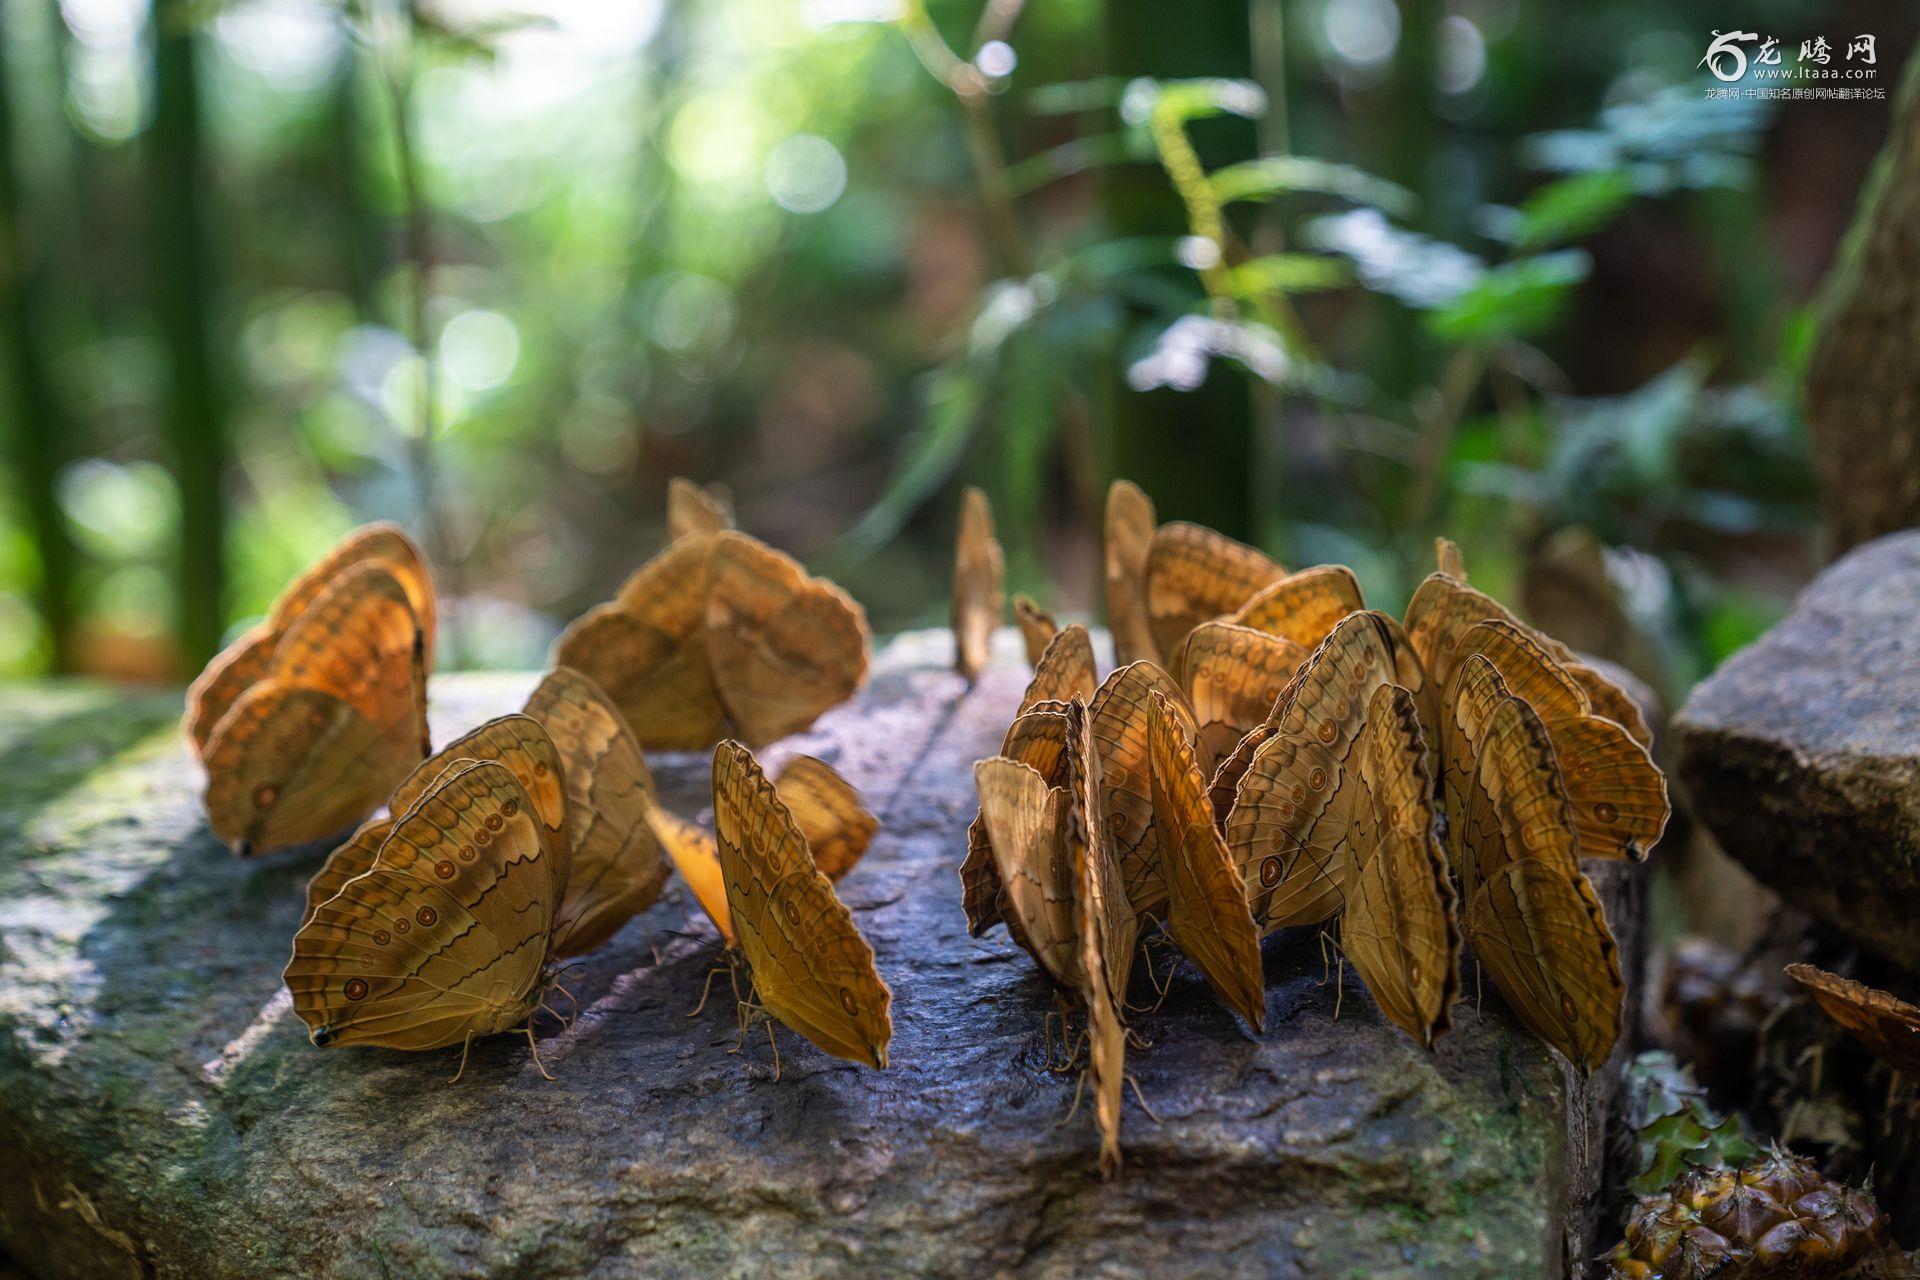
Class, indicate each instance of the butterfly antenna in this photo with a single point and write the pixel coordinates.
(464, 1046)
(1141, 1098)
(535, 1046)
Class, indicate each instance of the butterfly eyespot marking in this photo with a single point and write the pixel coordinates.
(510, 808)
(1606, 812)
(792, 913)
(381, 937)
(356, 989)
(466, 853)
(1328, 730)
(847, 1002)
(444, 869)
(403, 925)
(265, 795)
(539, 769)
(483, 837)
(1567, 1010)
(495, 822)
(1317, 779)
(1588, 769)
(1270, 870)
(1116, 822)
(1299, 795)
(426, 916)
(1285, 810)
(1413, 973)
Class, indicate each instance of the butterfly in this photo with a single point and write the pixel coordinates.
(979, 595)
(692, 509)
(1532, 917)
(1232, 676)
(246, 661)
(1130, 521)
(1037, 739)
(1064, 671)
(1399, 925)
(1117, 728)
(1619, 795)
(1884, 1023)
(720, 633)
(448, 935)
(837, 826)
(1037, 626)
(1444, 607)
(1301, 803)
(1194, 575)
(647, 648)
(785, 647)
(336, 720)
(811, 967)
(1303, 606)
(1207, 914)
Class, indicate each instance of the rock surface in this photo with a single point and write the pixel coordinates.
(162, 1114)
(1802, 753)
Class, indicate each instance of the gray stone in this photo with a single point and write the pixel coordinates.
(162, 1114)
(1802, 753)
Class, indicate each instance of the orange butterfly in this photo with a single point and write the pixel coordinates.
(1884, 1023)
(1037, 626)
(979, 595)
(692, 509)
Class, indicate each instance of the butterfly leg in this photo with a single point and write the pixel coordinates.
(464, 1046)
(1079, 1087)
(1141, 1098)
(706, 989)
(775, 1046)
(535, 1046)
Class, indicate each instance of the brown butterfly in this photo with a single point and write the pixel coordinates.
(515, 741)
(647, 649)
(246, 661)
(1117, 726)
(448, 935)
(1400, 924)
(1452, 563)
(1296, 806)
(1442, 610)
(785, 647)
(334, 724)
(1023, 817)
(1037, 626)
(1194, 575)
(1233, 677)
(1065, 669)
(1130, 522)
(1884, 1023)
(1535, 923)
(826, 807)
(811, 968)
(1207, 914)
(692, 509)
(979, 594)
(1304, 605)
(1037, 738)
(1619, 795)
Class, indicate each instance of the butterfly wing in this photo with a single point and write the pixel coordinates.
(1023, 817)
(446, 935)
(1206, 900)
(237, 668)
(1037, 737)
(379, 543)
(693, 510)
(1108, 927)
(1037, 627)
(1400, 927)
(1129, 527)
(811, 967)
(1065, 670)
(1233, 676)
(979, 591)
(1195, 574)
(784, 647)
(618, 867)
(1304, 606)
(351, 859)
(1117, 725)
(696, 857)
(1884, 1023)
(827, 808)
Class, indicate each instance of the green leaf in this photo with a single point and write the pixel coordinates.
(1271, 176)
(1289, 273)
(1512, 300)
(1127, 147)
(1569, 208)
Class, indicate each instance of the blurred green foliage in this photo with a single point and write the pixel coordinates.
(1379, 275)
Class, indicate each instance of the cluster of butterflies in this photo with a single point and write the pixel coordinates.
(537, 835)
(1269, 752)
